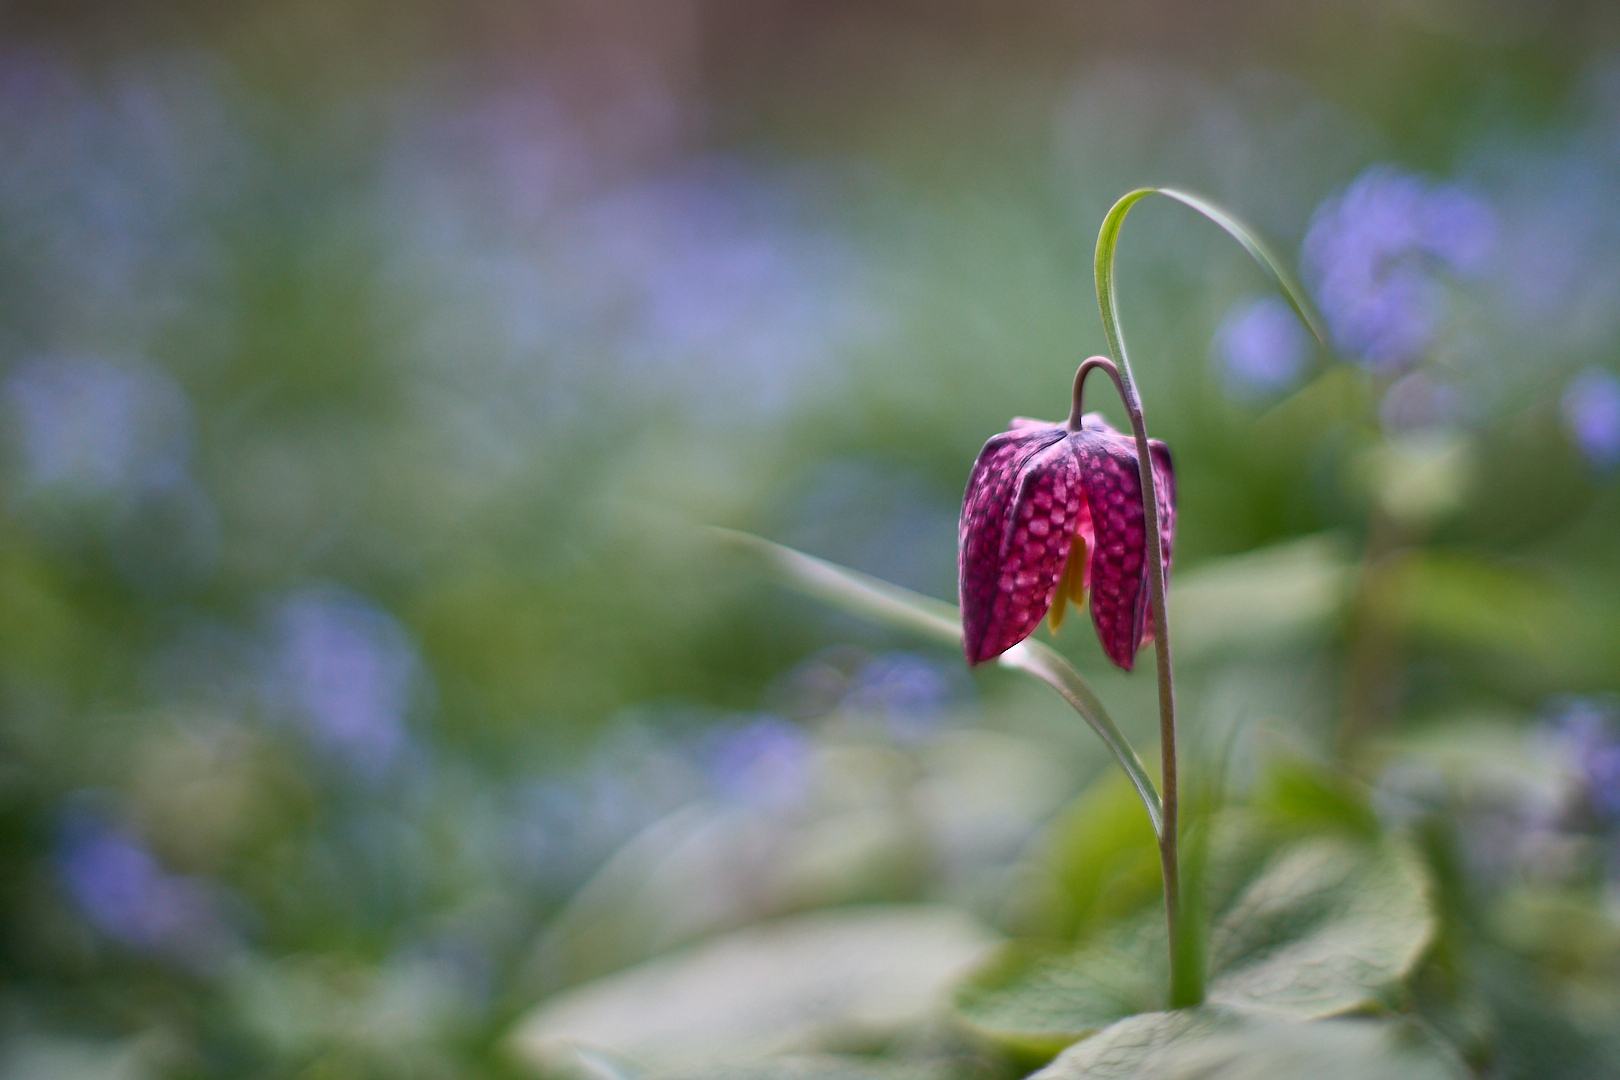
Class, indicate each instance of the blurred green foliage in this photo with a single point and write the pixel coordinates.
(366, 370)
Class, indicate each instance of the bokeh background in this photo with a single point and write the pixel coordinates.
(368, 371)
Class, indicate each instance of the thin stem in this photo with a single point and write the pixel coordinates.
(1186, 978)
(1077, 408)
(1185, 985)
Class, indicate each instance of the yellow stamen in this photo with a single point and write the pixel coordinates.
(1071, 586)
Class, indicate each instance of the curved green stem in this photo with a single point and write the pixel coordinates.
(1186, 988)
(1186, 980)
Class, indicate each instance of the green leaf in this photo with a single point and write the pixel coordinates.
(1300, 796)
(1032, 999)
(1100, 863)
(942, 622)
(1108, 241)
(1197, 1044)
(774, 987)
(817, 1067)
(1273, 598)
(1329, 925)
(1301, 928)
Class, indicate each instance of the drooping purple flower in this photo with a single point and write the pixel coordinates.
(1049, 513)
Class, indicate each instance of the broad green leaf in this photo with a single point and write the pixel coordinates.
(772, 988)
(1033, 999)
(1300, 797)
(1211, 1042)
(1330, 925)
(919, 614)
(1302, 928)
(817, 1067)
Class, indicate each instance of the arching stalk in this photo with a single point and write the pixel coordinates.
(1186, 967)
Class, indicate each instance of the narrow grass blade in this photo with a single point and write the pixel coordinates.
(1051, 668)
(854, 591)
(906, 610)
(1108, 240)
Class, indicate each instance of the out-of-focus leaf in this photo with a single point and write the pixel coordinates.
(859, 821)
(794, 985)
(37, 628)
(914, 612)
(1198, 1044)
(816, 1067)
(856, 592)
(1033, 999)
(1457, 598)
(1331, 925)
(1474, 753)
(1298, 796)
(1102, 861)
(1262, 598)
(1303, 928)
(1421, 478)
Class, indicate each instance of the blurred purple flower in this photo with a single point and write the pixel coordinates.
(116, 437)
(1589, 728)
(1418, 400)
(714, 291)
(124, 892)
(345, 671)
(1591, 407)
(765, 763)
(561, 828)
(710, 286)
(909, 691)
(1372, 254)
(96, 428)
(1261, 348)
(107, 185)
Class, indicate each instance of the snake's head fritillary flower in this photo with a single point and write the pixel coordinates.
(1051, 511)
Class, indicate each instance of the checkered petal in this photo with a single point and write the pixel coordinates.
(1017, 527)
(1119, 573)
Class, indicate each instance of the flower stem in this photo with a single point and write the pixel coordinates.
(1186, 967)
(1186, 976)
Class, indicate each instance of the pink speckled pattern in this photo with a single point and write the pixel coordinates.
(1019, 517)
(1017, 527)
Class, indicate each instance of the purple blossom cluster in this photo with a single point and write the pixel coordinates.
(1261, 348)
(122, 890)
(344, 671)
(1374, 258)
(1589, 728)
(112, 440)
(765, 763)
(1591, 408)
